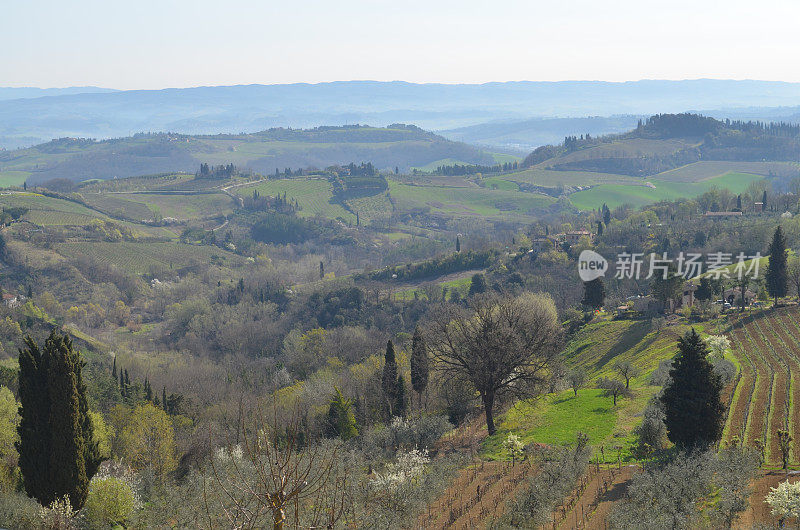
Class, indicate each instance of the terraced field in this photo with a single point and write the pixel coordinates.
(138, 206)
(766, 398)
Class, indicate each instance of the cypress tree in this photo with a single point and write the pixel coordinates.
(594, 294)
(389, 378)
(114, 368)
(777, 275)
(458, 244)
(400, 397)
(164, 398)
(693, 407)
(57, 452)
(420, 367)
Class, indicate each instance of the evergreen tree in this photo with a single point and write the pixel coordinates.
(389, 378)
(57, 452)
(341, 418)
(321, 270)
(599, 228)
(777, 275)
(400, 397)
(764, 201)
(594, 293)
(114, 369)
(704, 290)
(478, 284)
(164, 397)
(606, 215)
(692, 402)
(458, 244)
(420, 366)
(739, 202)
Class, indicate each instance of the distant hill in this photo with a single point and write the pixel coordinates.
(400, 146)
(250, 108)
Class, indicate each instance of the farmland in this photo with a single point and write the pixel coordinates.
(143, 258)
(766, 346)
(657, 190)
(314, 195)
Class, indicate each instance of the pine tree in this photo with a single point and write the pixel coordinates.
(764, 201)
(692, 402)
(164, 398)
(420, 366)
(389, 378)
(57, 452)
(777, 275)
(594, 293)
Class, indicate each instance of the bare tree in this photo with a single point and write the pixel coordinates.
(627, 371)
(274, 478)
(576, 378)
(500, 345)
(613, 388)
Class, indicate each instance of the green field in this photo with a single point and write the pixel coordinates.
(314, 195)
(549, 178)
(13, 178)
(467, 201)
(705, 170)
(141, 258)
(617, 194)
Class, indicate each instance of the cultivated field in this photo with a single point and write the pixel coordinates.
(314, 195)
(141, 258)
(766, 398)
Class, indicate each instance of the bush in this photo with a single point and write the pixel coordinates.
(19, 511)
(111, 502)
(419, 433)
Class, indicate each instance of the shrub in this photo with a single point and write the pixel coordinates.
(111, 502)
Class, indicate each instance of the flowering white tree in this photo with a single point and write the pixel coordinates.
(785, 500)
(409, 467)
(514, 446)
(718, 344)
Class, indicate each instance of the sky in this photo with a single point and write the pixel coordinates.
(147, 44)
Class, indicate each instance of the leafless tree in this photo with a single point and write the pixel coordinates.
(500, 345)
(274, 478)
(627, 371)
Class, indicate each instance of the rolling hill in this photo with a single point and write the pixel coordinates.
(263, 152)
(250, 108)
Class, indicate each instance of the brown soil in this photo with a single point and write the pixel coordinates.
(758, 512)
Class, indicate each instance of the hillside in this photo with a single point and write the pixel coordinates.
(263, 152)
(665, 157)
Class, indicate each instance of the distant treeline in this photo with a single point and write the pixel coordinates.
(217, 172)
(472, 169)
(456, 262)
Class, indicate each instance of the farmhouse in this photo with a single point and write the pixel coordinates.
(575, 236)
(733, 296)
(12, 300)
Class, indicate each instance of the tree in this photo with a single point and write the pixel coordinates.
(389, 380)
(785, 445)
(704, 290)
(667, 289)
(613, 388)
(784, 501)
(500, 345)
(148, 441)
(594, 293)
(777, 277)
(599, 228)
(458, 244)
(478, 284)
(718, 345)
(321, 270)
(606, 215)
(627, 371)
(576, 378)
(764, 201)
(341, 419)
(692, 401)
(58, 455)
(420, 366)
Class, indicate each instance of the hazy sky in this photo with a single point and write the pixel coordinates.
(172, 43)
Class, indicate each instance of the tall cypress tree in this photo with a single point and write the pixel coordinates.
(594, 293)
(777, 275)
(693, 407)
(57, 452)
(389, 378)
